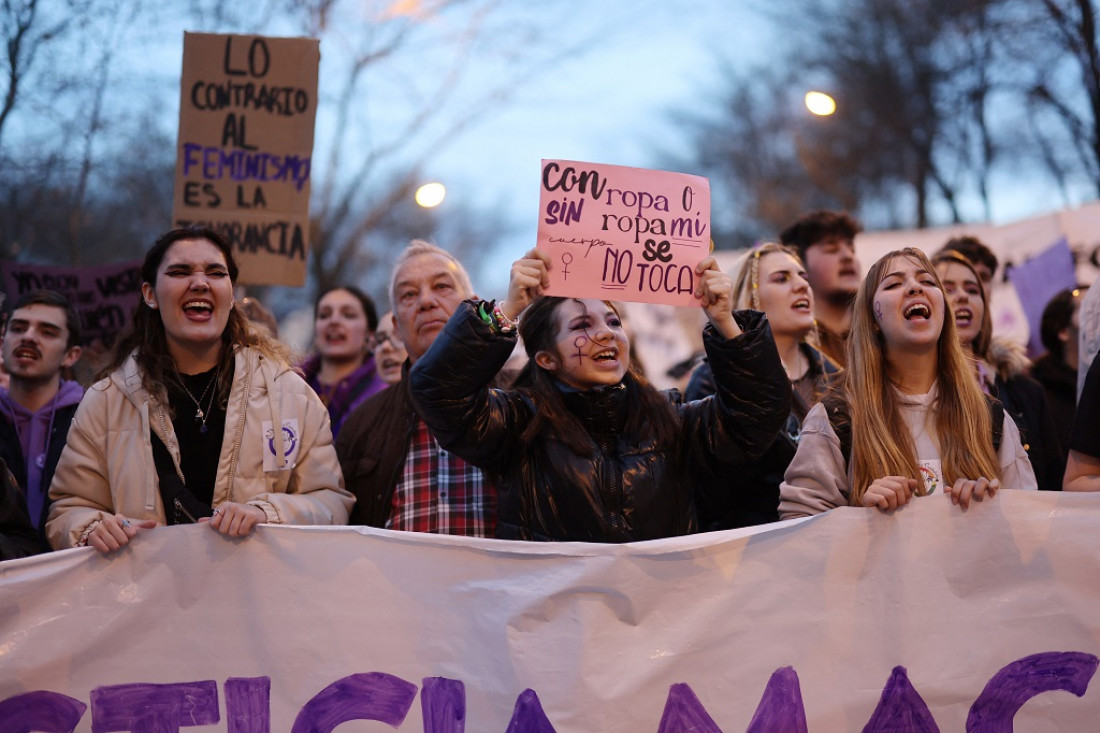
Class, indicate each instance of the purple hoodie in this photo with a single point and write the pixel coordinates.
(348, 393)
(34, 430)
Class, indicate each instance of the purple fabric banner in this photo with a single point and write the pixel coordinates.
(1038, 280)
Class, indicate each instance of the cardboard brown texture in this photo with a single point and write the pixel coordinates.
(245, 147)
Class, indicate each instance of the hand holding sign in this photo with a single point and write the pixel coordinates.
(623, 233)
(715, 293)
(529, 280)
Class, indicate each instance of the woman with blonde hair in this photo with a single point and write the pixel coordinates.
(907, 418)
(769, 278)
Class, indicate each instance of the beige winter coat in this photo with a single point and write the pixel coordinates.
(107, 465)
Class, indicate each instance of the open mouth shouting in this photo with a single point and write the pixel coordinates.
(609, 357)
(335, 337)
(918, 311)
(198, 310)
(802, 305)
(964, 317)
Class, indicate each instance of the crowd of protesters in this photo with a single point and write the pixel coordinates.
(821, 388)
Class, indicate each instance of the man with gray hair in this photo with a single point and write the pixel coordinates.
(402, 479)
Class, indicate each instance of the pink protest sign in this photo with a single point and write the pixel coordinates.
(623, 233)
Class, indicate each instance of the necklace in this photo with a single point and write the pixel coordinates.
(200, 414)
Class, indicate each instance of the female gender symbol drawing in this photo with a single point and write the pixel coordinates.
(566, 258)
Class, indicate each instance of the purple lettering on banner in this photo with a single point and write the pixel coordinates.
(683, 711)
(248, 704)
(901, 708)
(443, 705)
(1018, 682)
(41, 710)
(371, 696)
(528, 716)
(780, 709)
(149, 708)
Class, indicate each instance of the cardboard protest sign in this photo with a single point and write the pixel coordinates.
(623, 233)
(930, 618)
(247, 108)
(105, 296)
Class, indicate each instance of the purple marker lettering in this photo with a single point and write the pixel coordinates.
(443, 705)
(248, 704)
(41, 710)
(528, 716)
(901, 708)
(683, 711)
(145, 708)
(372, 696)
(1018, 682)
(780, 707)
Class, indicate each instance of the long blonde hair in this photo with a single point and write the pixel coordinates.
(881, 443)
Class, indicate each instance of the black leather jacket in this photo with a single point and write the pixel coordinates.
(631, 488)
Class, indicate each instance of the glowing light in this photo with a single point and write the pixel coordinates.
(820, 104)
(430, 194)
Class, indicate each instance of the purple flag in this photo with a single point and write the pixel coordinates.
(1040, 279)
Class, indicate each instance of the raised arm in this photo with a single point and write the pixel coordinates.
(450, 385)
(715, 292)
(528, 281)
(752, 393)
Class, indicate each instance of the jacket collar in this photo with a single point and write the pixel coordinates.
(602, 410)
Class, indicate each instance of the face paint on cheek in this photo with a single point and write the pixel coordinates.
(878, 310)
(579, 343)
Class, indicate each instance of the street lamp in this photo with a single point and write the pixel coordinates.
(820, 104)
(430, 195)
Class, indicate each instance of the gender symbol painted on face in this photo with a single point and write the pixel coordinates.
(878, 310)
(579, 343)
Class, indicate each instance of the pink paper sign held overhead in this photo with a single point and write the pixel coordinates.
(623, 233)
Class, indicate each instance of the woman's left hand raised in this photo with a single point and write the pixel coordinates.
(715, 292)
(237, 520)
(977, 489)
(530, 278)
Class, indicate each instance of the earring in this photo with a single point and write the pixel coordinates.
(151, 304)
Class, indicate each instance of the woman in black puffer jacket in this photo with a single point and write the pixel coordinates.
(583, 448)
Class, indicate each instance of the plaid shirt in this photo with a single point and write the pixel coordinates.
(439, 492)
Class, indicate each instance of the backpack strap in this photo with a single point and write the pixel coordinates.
(997, 416)
(842, 426)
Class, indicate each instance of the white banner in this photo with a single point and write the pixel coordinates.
(930, 619)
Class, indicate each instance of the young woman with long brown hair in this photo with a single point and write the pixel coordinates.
(907, 417)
